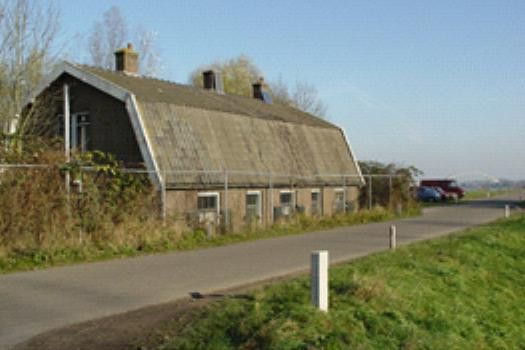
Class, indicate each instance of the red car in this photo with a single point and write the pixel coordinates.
(450, 187)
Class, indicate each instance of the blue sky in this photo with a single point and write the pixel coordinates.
(435, 84)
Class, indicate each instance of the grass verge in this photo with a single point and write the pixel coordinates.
(463, 291)
(488, 193)
(168, 238)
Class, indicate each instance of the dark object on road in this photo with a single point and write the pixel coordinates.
(449, 186)
(428, 194)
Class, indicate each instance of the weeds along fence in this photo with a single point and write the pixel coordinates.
(105, 204)
(37, 209)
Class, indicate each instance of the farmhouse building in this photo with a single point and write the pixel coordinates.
(214, 156)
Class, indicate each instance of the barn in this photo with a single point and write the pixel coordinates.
(214, 157)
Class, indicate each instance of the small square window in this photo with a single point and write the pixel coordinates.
(286, 198)
(207, 202)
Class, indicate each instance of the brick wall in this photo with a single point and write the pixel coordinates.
(183, 203)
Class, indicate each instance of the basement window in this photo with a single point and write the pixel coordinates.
(253, 206)
(317, 202)
(339, 200)
(208, 201)
(287, 202)
(208, 207)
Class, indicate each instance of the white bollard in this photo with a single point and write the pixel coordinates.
(393, 237)
(319, 282)
(507, 211)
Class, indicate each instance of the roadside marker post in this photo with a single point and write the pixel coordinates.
(507, 211)
(319, 279)
(393, 237)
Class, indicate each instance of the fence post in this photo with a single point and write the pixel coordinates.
(319, 279)
(507, 211)
(393, 237)
(344, 194)
(163, 196)
(390, 191)
(67, 134)
(226, 213)
(270, 198)
(294, 199)
(369, 192)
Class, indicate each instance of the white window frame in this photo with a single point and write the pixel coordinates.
(292, 203)
(79, 142)
(319, 200)
(211, 194)
(340, 190)
(258, 193)
(75, 139)
(292, 195)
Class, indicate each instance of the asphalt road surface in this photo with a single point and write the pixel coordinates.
(37, 301)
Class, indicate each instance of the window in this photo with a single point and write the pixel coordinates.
(339, 200)
(286, 200)
(253, 206)
(208, 206)
(80, 139)
(80, 136)
(317, 202)
(208, 202)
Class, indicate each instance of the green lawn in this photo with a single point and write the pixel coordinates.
(482, 193)
(464, 291)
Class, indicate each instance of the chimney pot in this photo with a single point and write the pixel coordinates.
(212, 81)
(127, 60)
(259, 91)
(208, 80)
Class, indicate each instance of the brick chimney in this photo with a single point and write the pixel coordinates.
(260, 91)
(127, 60)
(212, 80)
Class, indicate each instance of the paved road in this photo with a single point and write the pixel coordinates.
(37, 301)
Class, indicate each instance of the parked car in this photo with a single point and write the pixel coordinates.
(449, 186)
(444, 195)
(428, 194)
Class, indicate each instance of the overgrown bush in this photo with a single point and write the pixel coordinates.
(388, 192)
(104, 207)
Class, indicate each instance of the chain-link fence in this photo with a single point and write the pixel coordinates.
(229, 199)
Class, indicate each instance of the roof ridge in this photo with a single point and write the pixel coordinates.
(212, 94)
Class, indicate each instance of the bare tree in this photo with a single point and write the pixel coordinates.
(280, 92)
(28, 32)
(149, 59)
(106, 37)
(112, 33)
(306, 99)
